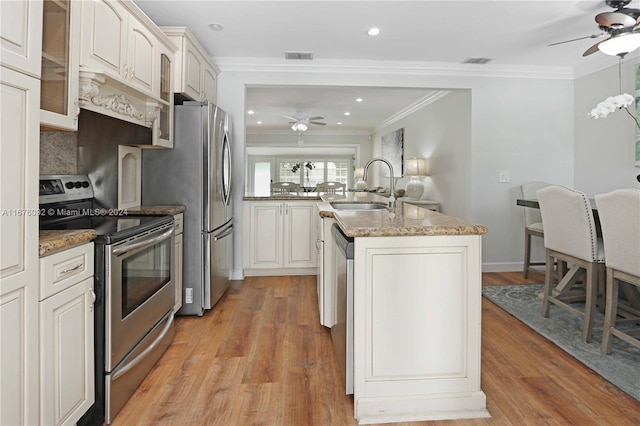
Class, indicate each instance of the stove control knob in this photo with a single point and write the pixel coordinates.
(78, 184)
(85, 184)
(69, 185)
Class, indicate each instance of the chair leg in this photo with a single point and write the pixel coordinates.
(591, 288)
(548, 283)
(527, 254)
(610, 312)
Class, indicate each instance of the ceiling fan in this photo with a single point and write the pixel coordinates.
(623, 27)
(300, 123)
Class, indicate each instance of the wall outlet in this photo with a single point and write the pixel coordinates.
(504, 177)
(188, 295)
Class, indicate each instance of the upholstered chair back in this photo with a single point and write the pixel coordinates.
(568, 223)
(530, 192)
(619, 213)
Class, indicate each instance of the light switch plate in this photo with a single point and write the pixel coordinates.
(504, 177)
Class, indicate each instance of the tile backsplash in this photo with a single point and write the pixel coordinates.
(58, 153)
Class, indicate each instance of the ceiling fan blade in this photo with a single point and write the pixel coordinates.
(318, 123)
(594, 48)
(316, 118)
(576, 39)
(291, 118)
(615, 20)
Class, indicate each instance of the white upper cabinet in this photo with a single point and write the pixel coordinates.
(141, 64)
(195, 75)
(104, 36)
(60, 65)
(209, 84)
(125, 61)
(20, 44)
(114, 41)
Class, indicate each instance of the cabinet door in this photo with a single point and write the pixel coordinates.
(60, 58)
(66, 355)
(19, 109)
(266, 235)
(129, 176)
(299, 235)
(163, 126)
(21, 35)
(209, 83)
(104, 36)
(192, 74)
(141, 57)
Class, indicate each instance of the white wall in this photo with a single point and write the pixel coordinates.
(605, 148)
(441, 131)
(520, 124)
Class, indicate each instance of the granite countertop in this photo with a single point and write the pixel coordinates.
(406, 220)
(54, 241)
(155, 210)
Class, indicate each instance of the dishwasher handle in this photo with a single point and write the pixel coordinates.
(344, 243)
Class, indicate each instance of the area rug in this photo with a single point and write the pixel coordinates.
(621, 367)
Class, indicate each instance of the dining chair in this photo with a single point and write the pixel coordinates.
(619, 213)
(532, 223)
(570, 236)
(331, 187)
(285, 188)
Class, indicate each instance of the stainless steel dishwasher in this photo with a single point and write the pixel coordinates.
(342, 331)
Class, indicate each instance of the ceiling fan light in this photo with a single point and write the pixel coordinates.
(621, 44)
(299, 127)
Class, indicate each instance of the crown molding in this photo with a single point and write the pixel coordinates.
(310, 132)
(239, 64)
(416, 106)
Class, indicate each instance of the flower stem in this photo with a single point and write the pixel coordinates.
(632, 116)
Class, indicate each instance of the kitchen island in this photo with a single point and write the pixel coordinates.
(417, 314)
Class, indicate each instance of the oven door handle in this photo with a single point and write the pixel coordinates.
(144, 353)
(128, 247)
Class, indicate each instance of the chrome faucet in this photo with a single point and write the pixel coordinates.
(392, 183)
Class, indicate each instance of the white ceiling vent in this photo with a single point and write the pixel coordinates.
(476, 60)
(298, 56)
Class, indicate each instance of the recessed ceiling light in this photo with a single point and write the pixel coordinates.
(358, 99)
(373, 31)
(250, 112)
(339, 122)
(347, 113)
(259, 122)
(214, 26)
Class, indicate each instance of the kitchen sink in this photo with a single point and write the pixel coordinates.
(357, 206)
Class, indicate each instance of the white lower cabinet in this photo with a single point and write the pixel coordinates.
(178, 261)
(66, 335)
(280, 235)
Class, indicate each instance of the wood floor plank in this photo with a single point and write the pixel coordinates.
(260, 357)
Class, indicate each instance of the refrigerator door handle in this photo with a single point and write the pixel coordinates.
(226, 168)
(224, 234)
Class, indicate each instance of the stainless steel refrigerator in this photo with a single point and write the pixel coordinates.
(196, 173)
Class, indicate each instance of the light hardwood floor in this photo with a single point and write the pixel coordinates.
(260, 357)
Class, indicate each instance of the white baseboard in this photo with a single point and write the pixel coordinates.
(237, 274)
(502, 267)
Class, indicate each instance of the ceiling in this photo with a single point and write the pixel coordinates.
(513, 33)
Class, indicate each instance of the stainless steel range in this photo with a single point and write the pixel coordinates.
(133, 282)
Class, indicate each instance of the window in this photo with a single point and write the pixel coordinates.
(308, 172)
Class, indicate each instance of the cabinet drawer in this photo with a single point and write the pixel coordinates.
(61, 270)
(178, 223)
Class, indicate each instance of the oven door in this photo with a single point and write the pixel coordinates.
(139, 290)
